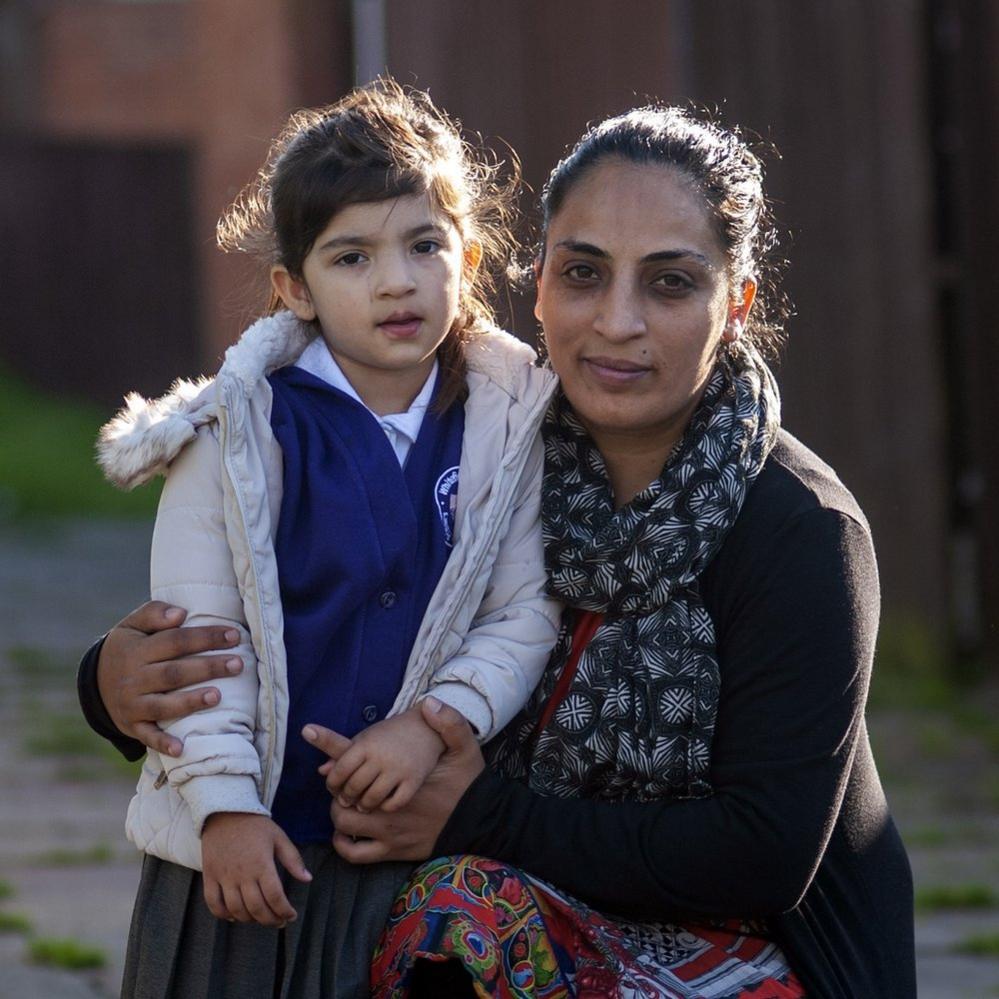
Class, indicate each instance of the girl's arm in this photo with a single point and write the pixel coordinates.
(506, 649)
(191, 566)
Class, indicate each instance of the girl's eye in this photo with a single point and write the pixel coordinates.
(426, 246)
(673, 283)
(349, 259)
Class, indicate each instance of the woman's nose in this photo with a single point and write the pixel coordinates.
(619, 316)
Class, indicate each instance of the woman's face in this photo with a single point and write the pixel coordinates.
(634, 299)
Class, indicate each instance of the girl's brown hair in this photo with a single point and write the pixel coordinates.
(381, 141)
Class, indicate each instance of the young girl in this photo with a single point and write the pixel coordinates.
(357, 494)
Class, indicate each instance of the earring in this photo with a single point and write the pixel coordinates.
(733, 331)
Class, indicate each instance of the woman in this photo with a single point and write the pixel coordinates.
(694, 766)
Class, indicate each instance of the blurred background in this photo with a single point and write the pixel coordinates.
(127, 127)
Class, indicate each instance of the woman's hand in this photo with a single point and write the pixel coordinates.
(144, 661)
(411, 832)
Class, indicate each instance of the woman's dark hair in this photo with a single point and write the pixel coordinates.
(381, 141)
(721, 167)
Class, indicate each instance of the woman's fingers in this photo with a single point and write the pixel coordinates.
(152, 616)
(361, 851)
(181, 645)
(153, 737)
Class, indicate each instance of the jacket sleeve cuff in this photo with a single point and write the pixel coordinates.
(221, 793)
(467, 702)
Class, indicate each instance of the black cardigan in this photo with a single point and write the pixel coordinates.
(797, 829)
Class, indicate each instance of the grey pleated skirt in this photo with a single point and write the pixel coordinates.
(178, 950)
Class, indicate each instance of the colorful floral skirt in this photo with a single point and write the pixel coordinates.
(519, 938)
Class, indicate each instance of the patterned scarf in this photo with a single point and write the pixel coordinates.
(637, 720)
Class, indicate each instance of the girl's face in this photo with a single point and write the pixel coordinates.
(634, 298)
(383, 280)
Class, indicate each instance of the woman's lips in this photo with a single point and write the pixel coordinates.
(612, 371)
(401, 327)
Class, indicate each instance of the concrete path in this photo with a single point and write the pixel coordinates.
(71, 873)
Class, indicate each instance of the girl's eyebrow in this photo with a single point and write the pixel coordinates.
(424, 228)
(576, 246)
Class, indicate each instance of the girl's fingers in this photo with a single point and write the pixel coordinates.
(214, 900)
(401, 796)
(344, 769)
(289, 857)
(273, 894)
(377, 794)
(258, 907)
(360, 780)
(234, 903)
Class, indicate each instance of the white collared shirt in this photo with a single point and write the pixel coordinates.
(402, 429)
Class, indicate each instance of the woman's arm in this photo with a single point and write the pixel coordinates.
(134, 677)
(796, 654)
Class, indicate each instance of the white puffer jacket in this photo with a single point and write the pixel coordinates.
(488, 628)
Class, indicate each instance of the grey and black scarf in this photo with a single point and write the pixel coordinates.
(638, 717)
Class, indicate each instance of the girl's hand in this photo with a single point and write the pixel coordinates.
(385, 764)
(411, 832)
(146, 657)
(240, 878)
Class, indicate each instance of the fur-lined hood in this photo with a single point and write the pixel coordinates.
(147, 434)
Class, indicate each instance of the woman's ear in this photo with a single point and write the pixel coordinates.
(739, 312)
(536, 267)
(293, 292)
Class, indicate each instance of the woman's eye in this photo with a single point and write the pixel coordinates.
(426, 246)
(349, 259)
(580, 272)
(673, 283)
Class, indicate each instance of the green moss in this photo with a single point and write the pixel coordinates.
(968, 896)
(14, 922)
(980, 945)
(66, 953)
(6, 889)
(99, 853)
(47, 457)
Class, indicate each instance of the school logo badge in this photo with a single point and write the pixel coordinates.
(446, 496)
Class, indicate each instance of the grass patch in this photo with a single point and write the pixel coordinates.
(910, 667)
(32, 663)
(6, 889)
(14, 922)
(927, 836)
(65, 953)
(47, 457)
(99, 853)
(64, 735)
(980, 945)
(935, 898)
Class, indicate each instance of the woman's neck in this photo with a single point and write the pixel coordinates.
(633, 461)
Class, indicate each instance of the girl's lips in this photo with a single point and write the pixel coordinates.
(611, 372)
(404, 328)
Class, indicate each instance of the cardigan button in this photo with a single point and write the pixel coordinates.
(387, 599)
(369, 713)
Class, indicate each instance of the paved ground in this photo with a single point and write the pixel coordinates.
(71, 873)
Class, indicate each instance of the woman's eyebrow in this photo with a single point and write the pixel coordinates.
(651, 258)
(577, 246)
